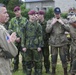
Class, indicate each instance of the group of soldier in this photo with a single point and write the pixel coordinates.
(35, 35)
(32, 41)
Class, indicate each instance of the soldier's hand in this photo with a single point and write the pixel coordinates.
(24, 49)
(39, 49)
(18, 39)
(54, 21)
(13, 37)
(60, 21)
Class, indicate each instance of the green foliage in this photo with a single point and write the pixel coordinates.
(64, 15)
(59, 70)
(11, 14)
(23, 6)
(12, 4)
(49, 14)
(1, 1)
(25, 13)
(24, 10)
(4, 2)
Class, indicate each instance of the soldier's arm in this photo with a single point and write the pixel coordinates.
(40, 36)
(49, 26)
(66, 25)
(24, 33)
(10, 25)
(5, 43)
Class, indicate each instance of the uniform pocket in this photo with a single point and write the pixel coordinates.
(36, 41)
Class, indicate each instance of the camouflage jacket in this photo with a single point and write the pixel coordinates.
(45, 35)
(33, 35)
(72, 31)
(16, 25)
(57, 33)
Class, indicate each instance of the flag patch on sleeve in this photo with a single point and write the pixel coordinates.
(8, 39)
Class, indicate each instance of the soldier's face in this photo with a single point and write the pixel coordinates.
(4, 17)
(57, 15)
(32, 17)
(18, 13)
(36, 16)
(41, 17)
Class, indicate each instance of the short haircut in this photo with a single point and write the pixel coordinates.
(2, 5)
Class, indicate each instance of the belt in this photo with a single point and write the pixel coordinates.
(2, 54)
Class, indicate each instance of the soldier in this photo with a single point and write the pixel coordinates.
(7, 47)
(72, 30)
(16, 25)
(33, 44)
(71, 14)
(45, 49)
(58, 40)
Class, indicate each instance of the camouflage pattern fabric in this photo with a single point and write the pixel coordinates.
(33, 40)
(45, 49)
(16, 25)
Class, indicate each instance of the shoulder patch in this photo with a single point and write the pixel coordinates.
(8, 39)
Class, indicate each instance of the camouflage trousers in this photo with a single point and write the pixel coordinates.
(73, 59)
(16, 59)
(33, 58)
(62, 52)
(5, 67)
(45, 51)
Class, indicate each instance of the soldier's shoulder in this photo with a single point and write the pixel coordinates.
(38, 23)
(49, 21)
(12, 19)
(24, 18)
(1, 29)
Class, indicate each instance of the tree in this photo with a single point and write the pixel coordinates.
(49, 14)
(12, 4)
(4, 2)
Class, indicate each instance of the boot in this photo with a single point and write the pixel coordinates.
(28, 72)
(38, 72)
(65, 71)
(48, 71)
(53, 70)
(72, 74)
(15, 68)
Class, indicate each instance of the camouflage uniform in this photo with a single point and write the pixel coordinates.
(57, 41)
(33, 40)
(16, 25)
(72, 31)
(45, 49)
(73, 48)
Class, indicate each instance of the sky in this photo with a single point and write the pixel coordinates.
(23, 0)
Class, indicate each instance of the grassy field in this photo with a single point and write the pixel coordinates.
(59, 70)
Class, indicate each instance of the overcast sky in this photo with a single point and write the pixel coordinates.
(23, 0)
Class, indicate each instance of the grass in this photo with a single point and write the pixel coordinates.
(59, 69)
